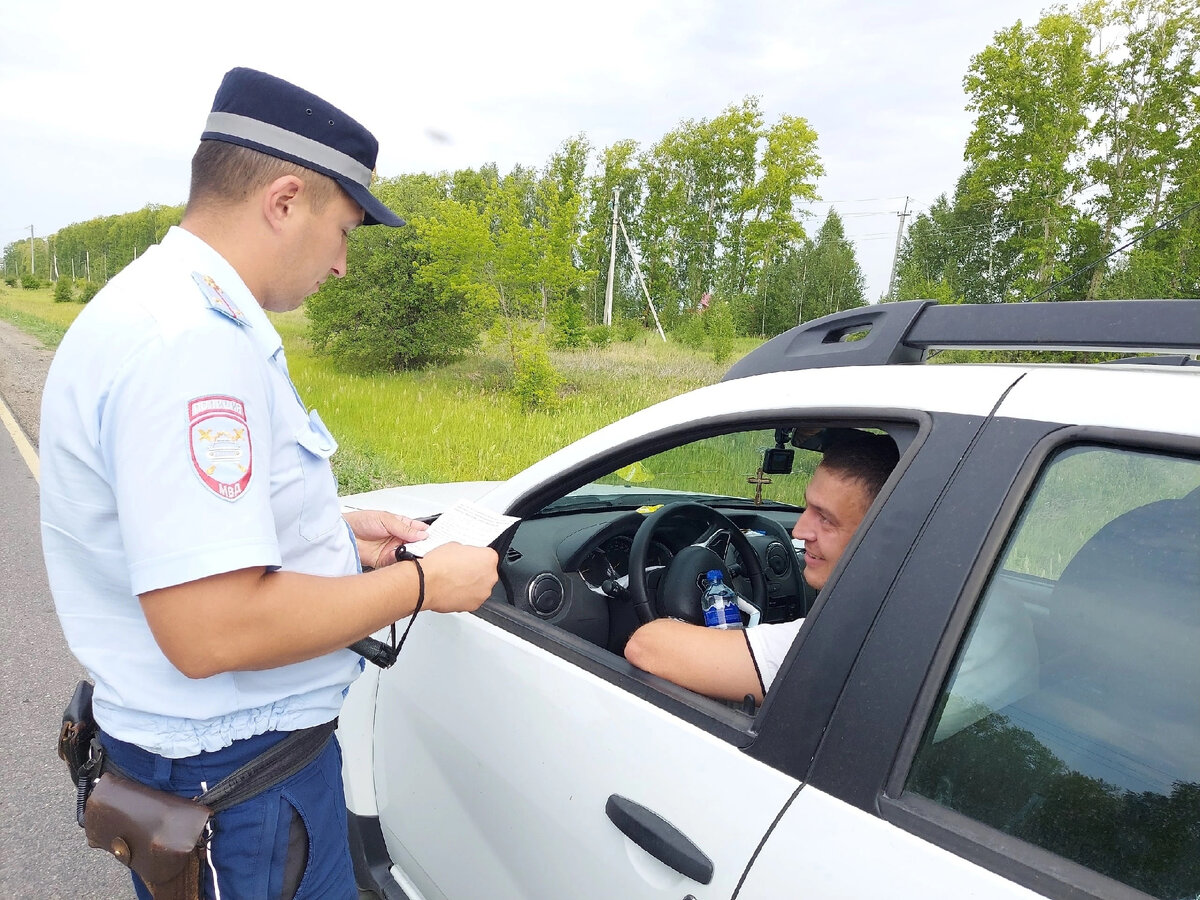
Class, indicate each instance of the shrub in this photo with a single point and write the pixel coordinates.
(30, 282)
(535, 383)
(11, 280)
(627, 329)
(88, 290)
(600, 335)
(720, 330)
(690, 331)
(570, 325)
(62, 291)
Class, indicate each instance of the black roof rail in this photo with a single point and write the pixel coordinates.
(905, 332)
(1177, 359)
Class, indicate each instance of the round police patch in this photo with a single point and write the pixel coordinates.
(219, 438)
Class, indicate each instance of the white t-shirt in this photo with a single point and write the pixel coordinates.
(769, 644)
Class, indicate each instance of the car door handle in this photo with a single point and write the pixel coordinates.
(659, 838)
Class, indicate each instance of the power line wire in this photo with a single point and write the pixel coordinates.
(1124, 246)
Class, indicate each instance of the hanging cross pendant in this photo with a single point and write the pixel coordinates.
(758, 481)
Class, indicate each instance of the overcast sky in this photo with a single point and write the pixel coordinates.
(101, 104)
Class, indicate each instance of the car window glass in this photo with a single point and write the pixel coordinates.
(721, 465)
(1071, 717)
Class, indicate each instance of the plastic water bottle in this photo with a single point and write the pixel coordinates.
(719, 603)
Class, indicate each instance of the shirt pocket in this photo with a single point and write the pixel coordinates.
(320, 511)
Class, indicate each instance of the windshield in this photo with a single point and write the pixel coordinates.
(722, 469)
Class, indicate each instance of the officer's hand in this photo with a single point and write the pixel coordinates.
(458, 578)
(379, 533)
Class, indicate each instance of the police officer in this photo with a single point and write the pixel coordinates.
(199, 562)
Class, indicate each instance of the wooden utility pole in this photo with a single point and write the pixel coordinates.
(32, 260)
(891, 291)
(612, 259)
(803, 285)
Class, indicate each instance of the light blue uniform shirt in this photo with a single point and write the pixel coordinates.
(174, 447)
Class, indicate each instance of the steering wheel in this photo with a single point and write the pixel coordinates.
(678, 592)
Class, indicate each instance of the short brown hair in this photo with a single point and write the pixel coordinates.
(861, 456)
(229, 173)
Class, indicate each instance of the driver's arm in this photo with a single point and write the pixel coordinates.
(711, 661)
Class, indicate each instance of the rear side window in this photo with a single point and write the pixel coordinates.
(1071, 717)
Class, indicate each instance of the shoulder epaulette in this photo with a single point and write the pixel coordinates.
(218, 299)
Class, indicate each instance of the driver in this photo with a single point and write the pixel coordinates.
(729, 664)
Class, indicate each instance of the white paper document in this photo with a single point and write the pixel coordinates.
(464, 522)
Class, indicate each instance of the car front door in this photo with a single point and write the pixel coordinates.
(502, 776)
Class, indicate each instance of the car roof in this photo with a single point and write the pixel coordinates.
(905, 332)
(1155, 399)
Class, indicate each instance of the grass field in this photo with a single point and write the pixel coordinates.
(453, 423)
(36, 313)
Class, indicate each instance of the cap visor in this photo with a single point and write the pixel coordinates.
(374, 212)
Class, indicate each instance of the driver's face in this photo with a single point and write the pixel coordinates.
(834, 508)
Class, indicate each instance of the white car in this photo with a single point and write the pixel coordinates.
(1040, 537)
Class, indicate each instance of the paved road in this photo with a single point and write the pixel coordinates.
(43, 854)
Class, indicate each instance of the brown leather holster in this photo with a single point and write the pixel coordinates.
(158, 835)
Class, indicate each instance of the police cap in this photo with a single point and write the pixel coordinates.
(265, 113)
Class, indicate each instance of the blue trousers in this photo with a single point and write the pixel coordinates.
(288, 842)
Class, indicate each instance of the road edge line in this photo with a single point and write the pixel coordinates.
(23, 446)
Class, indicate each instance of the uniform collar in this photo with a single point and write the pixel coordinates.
(202, 259)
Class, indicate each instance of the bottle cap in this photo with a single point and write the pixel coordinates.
(714, 575)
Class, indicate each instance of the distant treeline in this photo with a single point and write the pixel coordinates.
(94, 250)
(1082, 179)
(709, 242)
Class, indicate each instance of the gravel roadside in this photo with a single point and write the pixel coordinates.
(24, 362)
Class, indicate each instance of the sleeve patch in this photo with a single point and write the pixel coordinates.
(219, 441)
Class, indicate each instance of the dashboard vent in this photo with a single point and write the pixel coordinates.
(513, 555)
(545, 595)
(777, 558)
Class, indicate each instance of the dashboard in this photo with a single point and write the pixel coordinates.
(571, 569)
(610, 560)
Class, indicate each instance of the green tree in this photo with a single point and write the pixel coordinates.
(570, 324)
(557, 234)
(382, 315)
(950, 253)
(833, 280)
(790, 166)
(1147, 118)
(1031, 90)
(720, 206)
(780, 298)
(699, 187)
